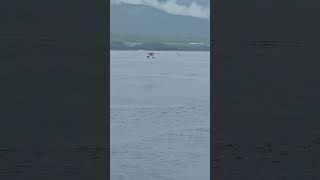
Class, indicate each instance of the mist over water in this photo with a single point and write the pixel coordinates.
(160, 116)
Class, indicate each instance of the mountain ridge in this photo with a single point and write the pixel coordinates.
(140, 20)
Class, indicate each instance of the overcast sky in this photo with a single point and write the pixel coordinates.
(194, 8)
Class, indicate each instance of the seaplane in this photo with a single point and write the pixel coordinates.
(150, 54)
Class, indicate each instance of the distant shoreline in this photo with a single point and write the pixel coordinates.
(199, 50)
(157, 49)
(159, 46)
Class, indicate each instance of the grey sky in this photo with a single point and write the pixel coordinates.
(194, 8)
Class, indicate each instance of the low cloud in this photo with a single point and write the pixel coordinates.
(171, 7)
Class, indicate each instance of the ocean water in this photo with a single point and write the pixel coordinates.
(160, 116)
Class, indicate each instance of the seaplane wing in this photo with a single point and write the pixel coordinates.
(149, 52)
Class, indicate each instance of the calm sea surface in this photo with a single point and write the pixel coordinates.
(160, 116)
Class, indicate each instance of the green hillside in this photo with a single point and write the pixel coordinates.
(134, 42)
